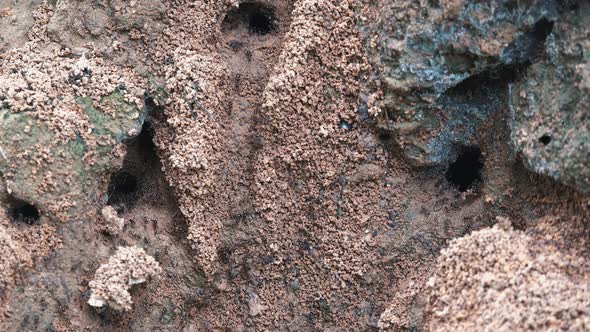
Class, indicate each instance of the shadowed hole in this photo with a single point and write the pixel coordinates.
(545, 139)
(135, 178)
(385, 137)
(23, 212)
(256, 17)
(122, 188)
(542, 29)
(466, 170)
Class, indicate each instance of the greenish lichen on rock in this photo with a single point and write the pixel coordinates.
(424, 51)
(550, 107)
(63, 123)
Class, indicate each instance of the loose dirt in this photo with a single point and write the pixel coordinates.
(271, 201)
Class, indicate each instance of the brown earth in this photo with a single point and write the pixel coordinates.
(272, 204)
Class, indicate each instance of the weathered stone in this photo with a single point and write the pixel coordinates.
(550, 108)
(51, 176)
(442, 65)
(16, 19)
(62, 126)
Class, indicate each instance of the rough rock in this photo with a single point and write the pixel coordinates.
(16, 19)
(113, 224)
(64, 120)
(550, 107)
(259, 182)
(440, 65)
(10, 258)
(20, 248)
(113, 29)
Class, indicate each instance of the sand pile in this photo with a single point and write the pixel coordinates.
(505, 280)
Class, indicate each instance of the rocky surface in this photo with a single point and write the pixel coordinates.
(550, 106)
(129, 266)
(63, 126)
(443, 66)
(506, 281)
(17, 20)
(293, 165)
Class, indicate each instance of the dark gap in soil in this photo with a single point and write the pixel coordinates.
(123, 185)
(257, 17)
(140, 182)
(486, 93)
(466, 170)
(541, 31)
(153, 217)
(21, 211)
(530, 46)
(545, 139)
(494, 81)
(261, 23)
(134, 180)
(385, 137)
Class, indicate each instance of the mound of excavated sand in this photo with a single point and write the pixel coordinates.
(500, 279)
(127, 267)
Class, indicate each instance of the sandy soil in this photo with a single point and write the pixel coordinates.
(271, 202)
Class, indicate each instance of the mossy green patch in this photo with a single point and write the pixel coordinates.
(104, 124)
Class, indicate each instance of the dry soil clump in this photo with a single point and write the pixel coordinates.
(127, 267)
(501, 279)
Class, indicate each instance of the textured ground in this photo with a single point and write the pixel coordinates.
(279, 167)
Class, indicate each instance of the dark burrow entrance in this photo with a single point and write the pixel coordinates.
(23, 212)
(545, 139)
(466, 171)
(141, 195)
(137, 177)
(258, 18)
(122, 188)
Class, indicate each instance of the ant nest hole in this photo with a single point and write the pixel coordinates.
(122, 188)
(545, 139)
(465, 172)
(258, 18)
(133, 181)
(23, 212)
